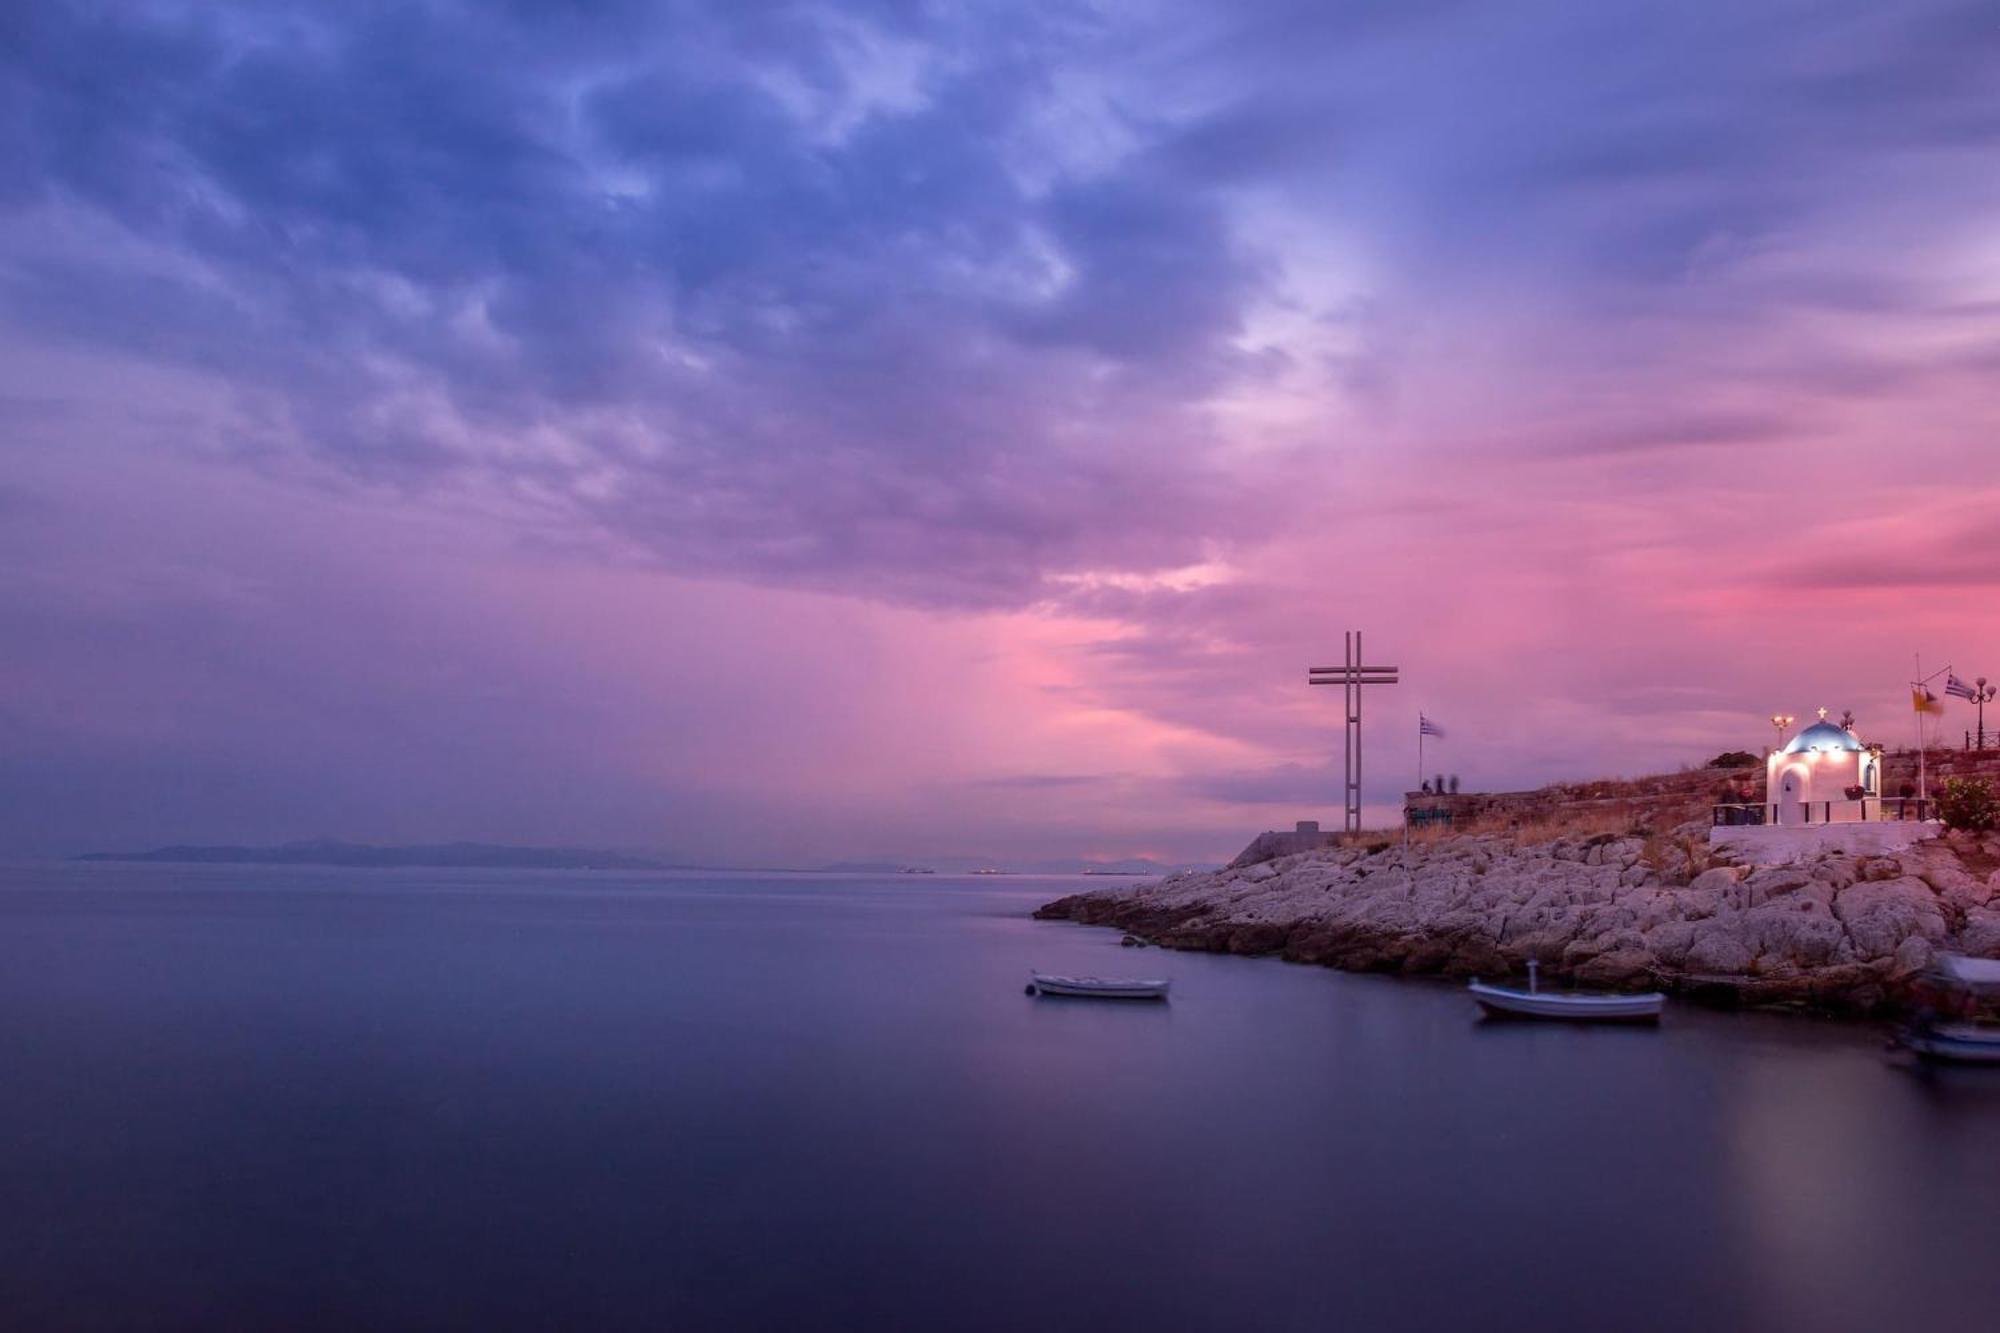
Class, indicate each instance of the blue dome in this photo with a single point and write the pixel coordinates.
(1824, 736)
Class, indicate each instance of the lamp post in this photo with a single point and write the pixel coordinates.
(1982, 694)
(1781, 722)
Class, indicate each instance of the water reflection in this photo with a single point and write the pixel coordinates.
(332, 1099)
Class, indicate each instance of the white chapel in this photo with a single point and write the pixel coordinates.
(1822, 774)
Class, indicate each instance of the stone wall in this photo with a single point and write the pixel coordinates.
(1665, 799)
(1269, 846)
(1788, 844)
(1900, 766)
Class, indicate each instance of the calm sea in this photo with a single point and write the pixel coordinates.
(262, 1098)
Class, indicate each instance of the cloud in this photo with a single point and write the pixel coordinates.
(1940, 545)
(1304, 786)
(644, 280)
(1551, 349)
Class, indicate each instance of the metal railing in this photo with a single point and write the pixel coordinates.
(1868, 809)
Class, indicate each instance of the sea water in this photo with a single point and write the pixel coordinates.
(237, 1097)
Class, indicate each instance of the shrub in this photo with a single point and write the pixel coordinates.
(1735, 759)
(1967, 803)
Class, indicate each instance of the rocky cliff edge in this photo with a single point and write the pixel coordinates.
(1836, 932)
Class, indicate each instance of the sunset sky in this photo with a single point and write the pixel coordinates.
(788, 432)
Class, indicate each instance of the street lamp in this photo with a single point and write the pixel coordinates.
(1982, 694)
(1782, 722)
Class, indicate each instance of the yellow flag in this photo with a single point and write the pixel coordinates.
(1925, 702)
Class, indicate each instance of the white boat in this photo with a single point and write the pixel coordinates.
(1566, 1006)
(1968, 987)
(1958, 1043)
(1099, 988)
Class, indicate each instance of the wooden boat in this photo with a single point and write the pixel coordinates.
(1099, 988)
(1566, 1006)
(1966, 987)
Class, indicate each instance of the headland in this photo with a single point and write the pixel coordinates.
(1626, 890)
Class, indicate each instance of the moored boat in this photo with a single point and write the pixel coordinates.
(1957, 1043)
(1099, 988)
(1957, 988)
(1566, 1006)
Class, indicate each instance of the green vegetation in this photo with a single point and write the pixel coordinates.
(1968, 804)
(1735, 759)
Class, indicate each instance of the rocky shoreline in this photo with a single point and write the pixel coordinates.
(1834, 933)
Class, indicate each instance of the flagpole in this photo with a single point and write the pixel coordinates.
(1420, 750)
(1922, 790)
(1406, 804)
(1920, 732)
(1409, 878)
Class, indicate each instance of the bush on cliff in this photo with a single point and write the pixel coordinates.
(1967, 803)
(1735, 759)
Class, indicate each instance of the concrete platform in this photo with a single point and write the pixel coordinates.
(1780, 844)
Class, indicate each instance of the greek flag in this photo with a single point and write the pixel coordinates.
(1426, 727)
(1958, 688)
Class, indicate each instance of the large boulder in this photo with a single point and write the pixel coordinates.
(1980, 935)
(1719, 880)
(1619, 969)
(1880, 914)
(1959, 889)
(1772, 881)
(1912, 956)
(1720, 949)
(1669, 942)
(1800, 933)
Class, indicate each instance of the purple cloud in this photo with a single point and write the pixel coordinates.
(1170, 340)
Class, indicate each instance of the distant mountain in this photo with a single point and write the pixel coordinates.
(964, 865)
(486, 855)
(329, 852)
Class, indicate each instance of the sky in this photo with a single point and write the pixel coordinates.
(788, 432)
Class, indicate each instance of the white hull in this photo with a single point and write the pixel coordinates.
(1100, 988)
(1958, 1043)
(1505, 1003)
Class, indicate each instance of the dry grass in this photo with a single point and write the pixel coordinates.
(1601, 808)
(1604, 822)
(1597, 821)
(1427, 835)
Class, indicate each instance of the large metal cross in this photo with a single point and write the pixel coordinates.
(1353, 675)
